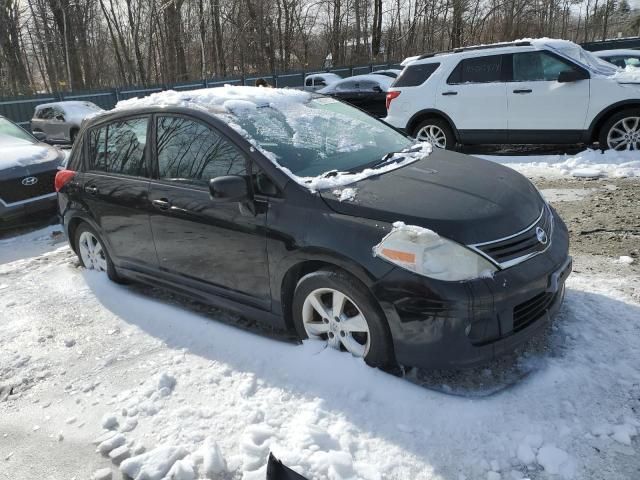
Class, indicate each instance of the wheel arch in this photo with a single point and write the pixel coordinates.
(430, 113)
(299, 267)
(604, 115)
(72, 224)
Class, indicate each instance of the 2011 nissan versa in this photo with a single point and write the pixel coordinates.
(304, 212)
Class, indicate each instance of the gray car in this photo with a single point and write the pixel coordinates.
(60, 122)
(27, 173)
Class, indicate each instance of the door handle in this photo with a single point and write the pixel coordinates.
(523, 91)
(449, 93)
(162, 203)
(91, 189)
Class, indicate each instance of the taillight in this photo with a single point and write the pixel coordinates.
(63, 177)
(391, 96)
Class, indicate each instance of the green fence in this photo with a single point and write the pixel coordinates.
(20, 108)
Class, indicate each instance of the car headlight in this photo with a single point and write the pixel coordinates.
(425, 252)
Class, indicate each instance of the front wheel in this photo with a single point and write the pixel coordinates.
(621, 131)
(332, 306)
(92, 253)
(437, 132)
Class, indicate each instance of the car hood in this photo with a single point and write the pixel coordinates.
(460, 197)
(25, 158)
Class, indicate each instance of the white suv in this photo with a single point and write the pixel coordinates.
(538, 91)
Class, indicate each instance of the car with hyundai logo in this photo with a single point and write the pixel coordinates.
(27, 171)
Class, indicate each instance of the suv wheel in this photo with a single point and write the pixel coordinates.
(334, 307)
(437, 132)
(92, 253)
(621, 131)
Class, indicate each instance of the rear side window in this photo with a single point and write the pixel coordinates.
(189, 151)
(478, 70)
(369, 86)
(45, 113)
(119, 147)
(538, 66)
(415, 75)
(349, 86)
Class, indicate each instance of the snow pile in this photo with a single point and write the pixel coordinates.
(336, 179)
(589, 163)
(347, 194)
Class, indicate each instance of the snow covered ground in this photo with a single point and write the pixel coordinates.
(130, 379)
(588, 163)
(89, 368)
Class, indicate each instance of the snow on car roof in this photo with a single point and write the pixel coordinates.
(323, 74)
(71, 105)
(370, 76)
(219, 99)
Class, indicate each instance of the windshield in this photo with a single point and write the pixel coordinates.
(318, 136)
(10, 129)
(589, 59)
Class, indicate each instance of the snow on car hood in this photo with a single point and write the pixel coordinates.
(21, 153)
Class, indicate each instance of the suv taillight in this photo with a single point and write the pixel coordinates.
(391, 96)
(63, 177)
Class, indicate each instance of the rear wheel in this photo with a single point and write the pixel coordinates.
(334, 307)
(93, 254)
(621, 131)
(437, 132)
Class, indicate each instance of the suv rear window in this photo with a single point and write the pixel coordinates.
(415, 75)
(478, 70)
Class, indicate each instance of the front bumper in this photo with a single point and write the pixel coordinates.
(437, 324)
(13, 211)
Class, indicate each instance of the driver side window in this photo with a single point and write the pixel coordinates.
(190, 152)
(538, 66)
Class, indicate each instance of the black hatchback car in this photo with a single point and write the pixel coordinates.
(301, 211)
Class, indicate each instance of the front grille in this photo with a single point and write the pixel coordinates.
(528, 312)
(522, 245)
(13, 190)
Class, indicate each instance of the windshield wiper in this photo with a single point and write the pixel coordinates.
(382, 161)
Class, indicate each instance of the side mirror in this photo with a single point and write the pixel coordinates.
(60, 118)
(230, 188)
(40, 136)
(567, 76)
(377, 89)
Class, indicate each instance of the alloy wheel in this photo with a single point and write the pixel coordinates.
(432, 134)
(625, 134)
(330, 315)
(92, 252)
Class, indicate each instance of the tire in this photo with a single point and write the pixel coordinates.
(99, 259)
(374, 346)
(72, 136)
(436, 131)
(621, 131)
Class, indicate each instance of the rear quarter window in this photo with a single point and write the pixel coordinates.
(478, 70)
(415, 75)
(119, 147)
